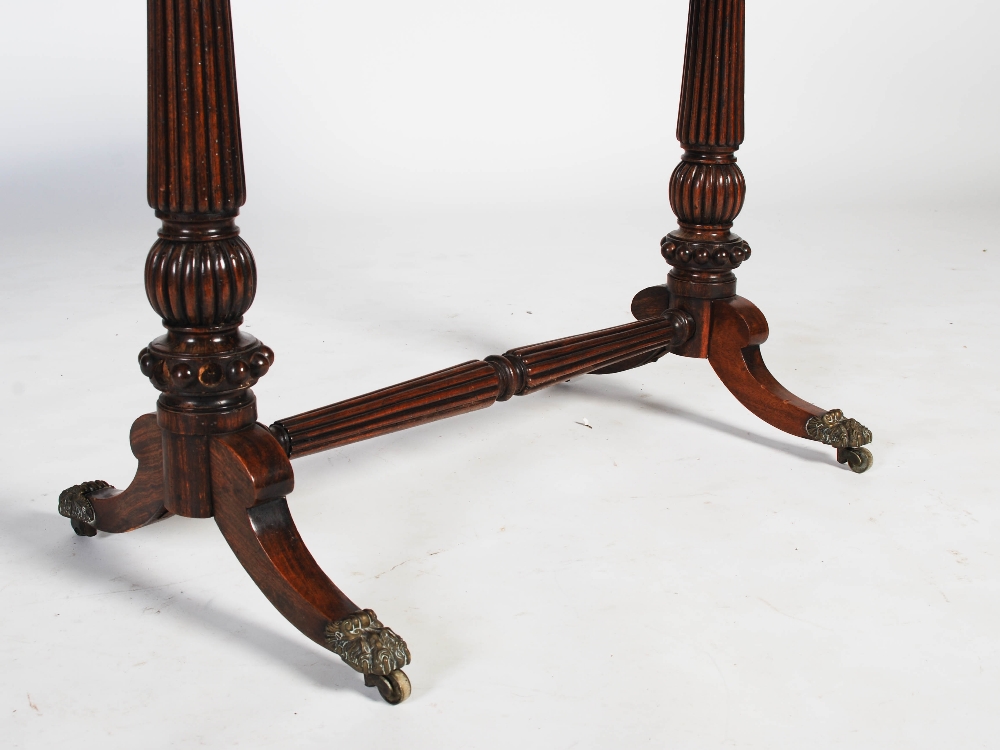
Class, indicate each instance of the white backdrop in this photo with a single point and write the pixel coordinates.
(420, 177)
(436, 103)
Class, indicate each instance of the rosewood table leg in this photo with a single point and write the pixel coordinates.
(738, 330)
(251, 476)
(202, 454)
(97, 506)
(706, 194)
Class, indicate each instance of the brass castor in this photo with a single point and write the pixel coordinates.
(75, 504)
(858, 459)
(82, 528)
(393, 687)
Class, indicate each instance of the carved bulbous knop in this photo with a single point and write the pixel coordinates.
(201, 283)
(707, 194)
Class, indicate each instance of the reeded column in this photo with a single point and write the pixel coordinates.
(707, 188)
(200, 275)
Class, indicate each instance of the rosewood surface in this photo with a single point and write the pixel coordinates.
(478, 384)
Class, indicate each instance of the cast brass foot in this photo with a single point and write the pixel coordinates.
(369, 647)
(846, 435)
(76, 505)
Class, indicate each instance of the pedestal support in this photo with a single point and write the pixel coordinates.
(203, 454)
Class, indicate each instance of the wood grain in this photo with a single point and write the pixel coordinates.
(142, 501)
(195, 151)
(478, 384)
(251, 477)
(738, 330)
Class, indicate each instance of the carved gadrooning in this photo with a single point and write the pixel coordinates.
(366, 645)
(206, 374)
(833, 429)
(705, 255)
(75, 504)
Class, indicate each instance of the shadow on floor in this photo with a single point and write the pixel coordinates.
(622, 396)
(95, 562)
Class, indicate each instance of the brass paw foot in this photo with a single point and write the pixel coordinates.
(75, 504)
(366, 645)
(369, 647)
(846, 435)
(833, 428)
(393, 687)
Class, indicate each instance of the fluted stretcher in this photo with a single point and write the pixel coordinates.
(480, 383)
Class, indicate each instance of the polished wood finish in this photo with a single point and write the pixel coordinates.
(738, 330)
(251, 477)
(195, 152)
(446, 393)
(531, 368)
(707, 187)
(478, 384)
(203, 454)
(707, 190)
(116, 511)
(200, 274)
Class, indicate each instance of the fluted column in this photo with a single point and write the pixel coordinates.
(200, 274)
(707, 188)
(195, 151)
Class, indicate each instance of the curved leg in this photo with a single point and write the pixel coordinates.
(738, 330)
(251, 475)
(97, 506)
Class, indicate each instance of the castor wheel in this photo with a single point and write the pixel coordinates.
(858, 459)
(393, 687)
(82, 528)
